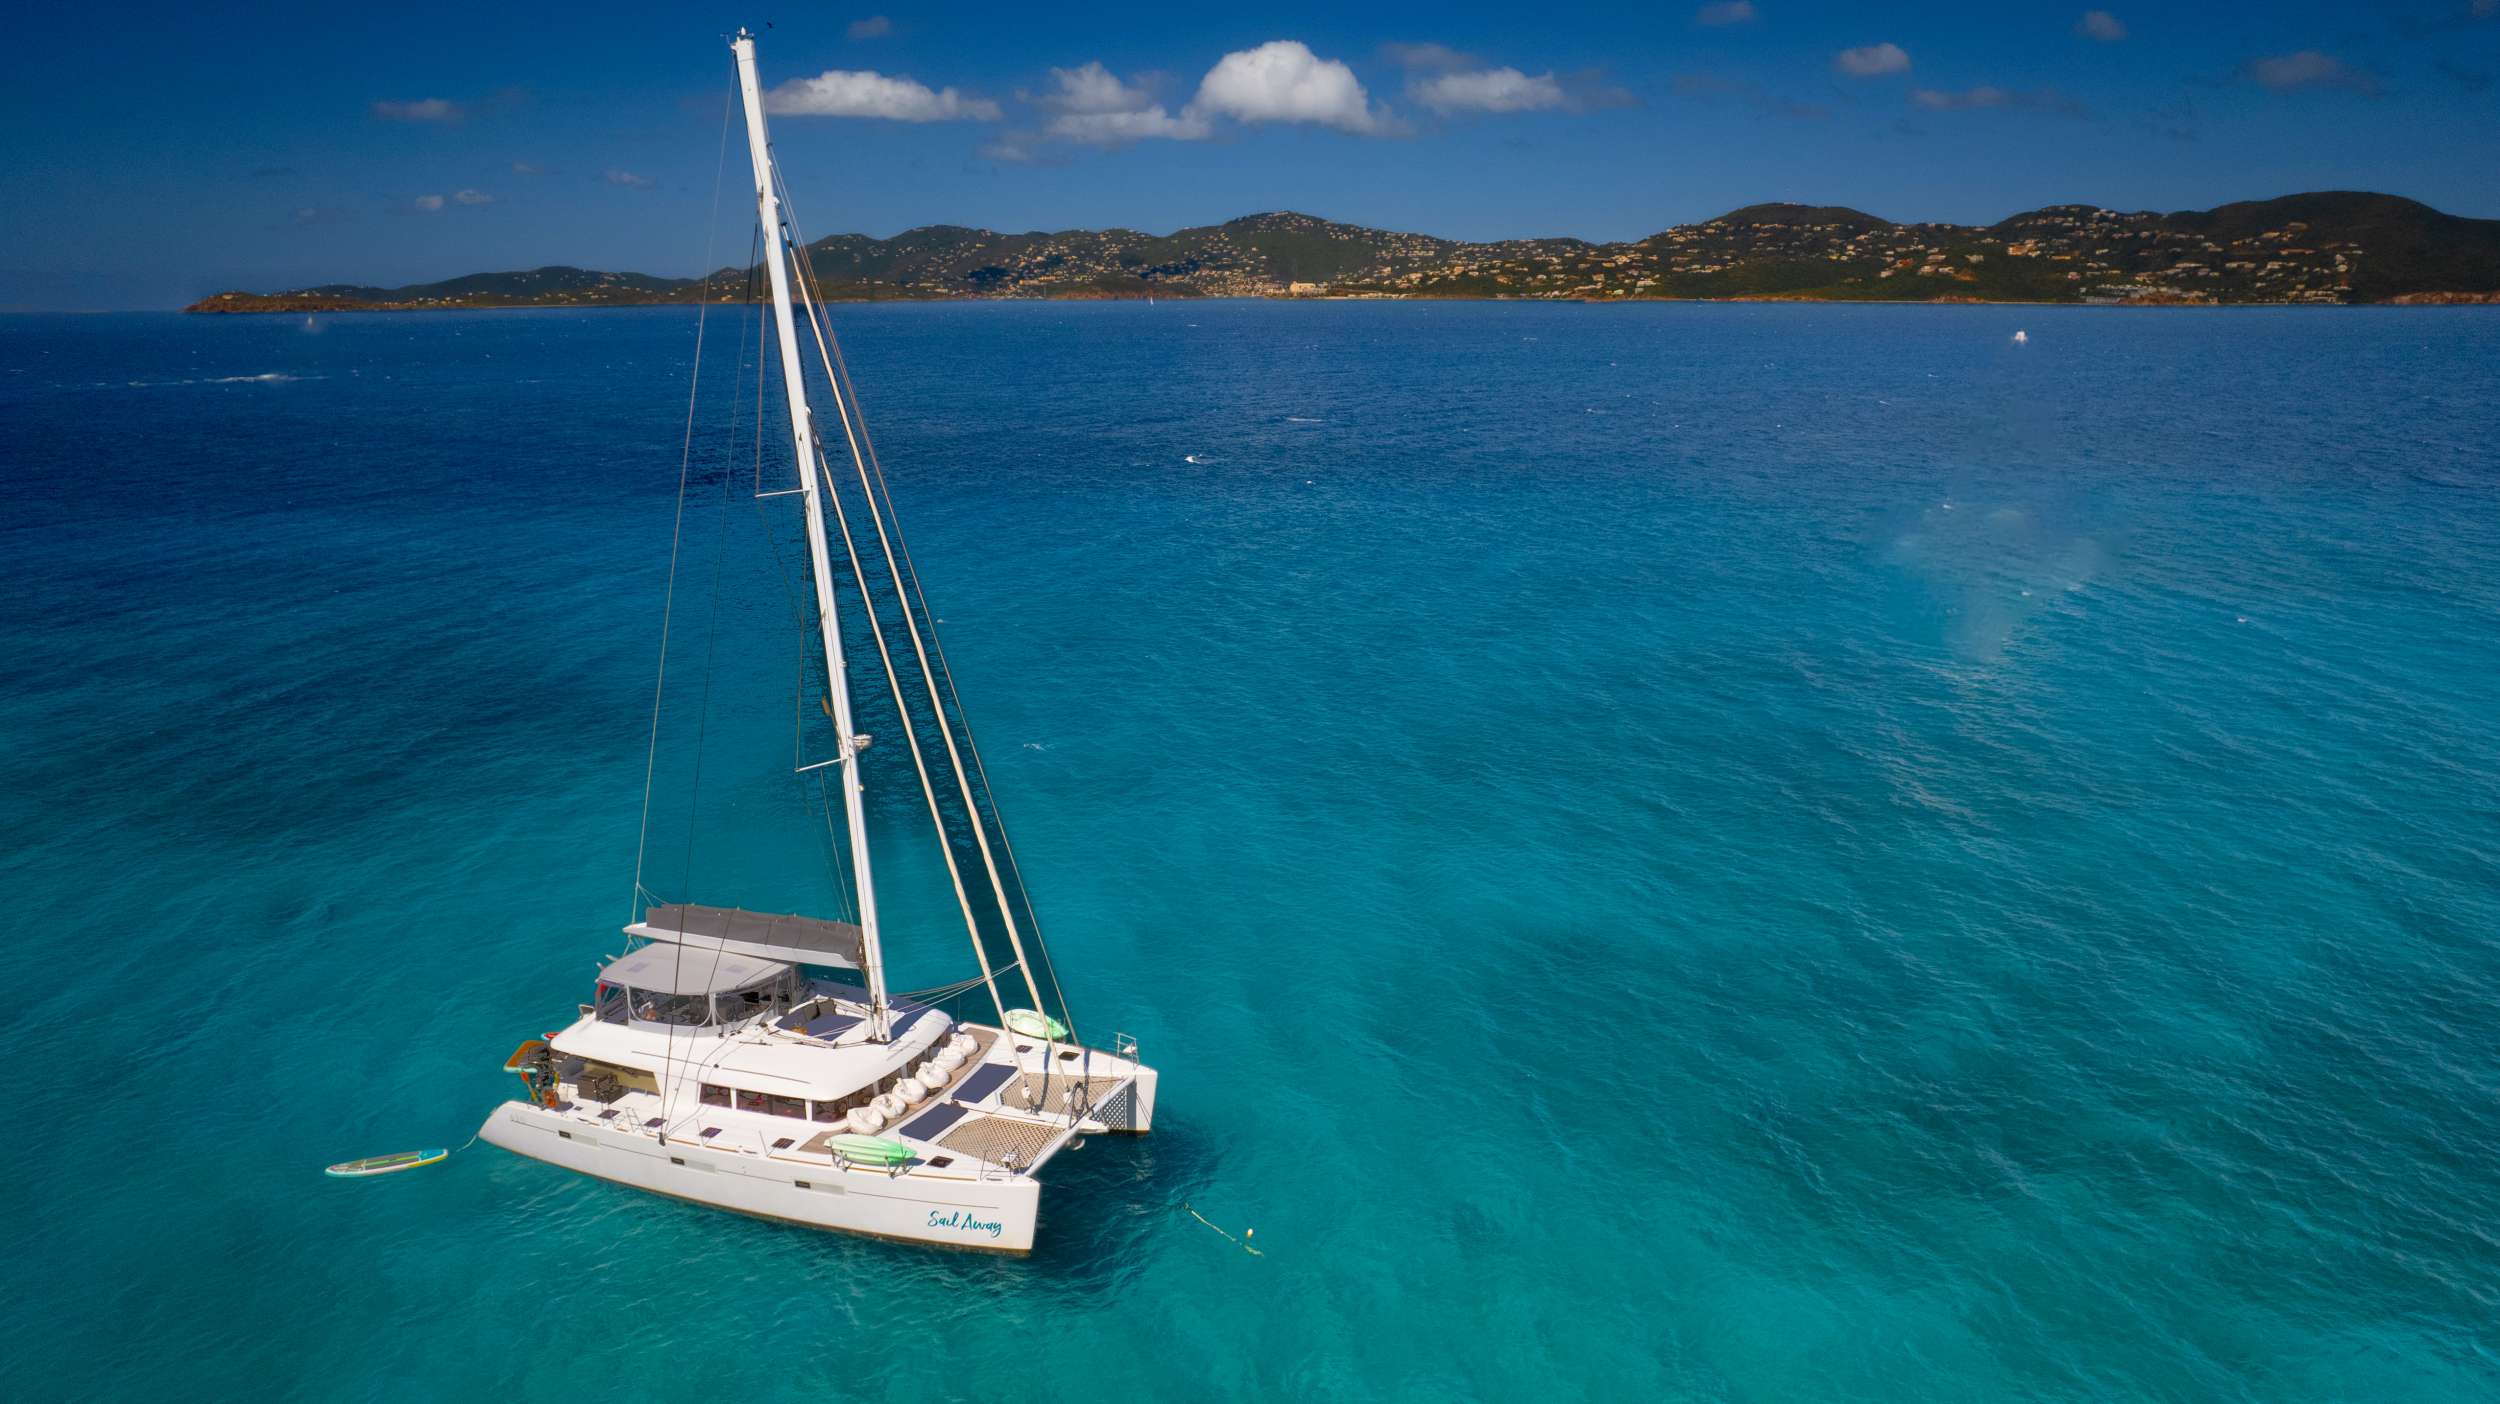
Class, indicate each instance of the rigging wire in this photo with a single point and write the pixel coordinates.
(837, 858)
(839, 384)
(911, 739)
(845, 404)
(885, 656)
(981, 773)
(847, 398)
(677, 530)
(685, 458)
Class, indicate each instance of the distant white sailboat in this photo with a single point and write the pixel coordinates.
(2022, 338)
(720, 1062)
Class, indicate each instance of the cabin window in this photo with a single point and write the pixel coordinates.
(830, 1111)
(750, 1101)
(683, 1011)
(715, 1096)
(787, 1106)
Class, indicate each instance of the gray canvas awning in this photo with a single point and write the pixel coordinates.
(688, 970)
(795, 940)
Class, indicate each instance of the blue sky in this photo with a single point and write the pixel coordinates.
(152, 155)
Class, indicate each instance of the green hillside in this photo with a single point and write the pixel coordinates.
(2323, 247)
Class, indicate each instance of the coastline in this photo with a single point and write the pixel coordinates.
(2338, 248)
(277, 307)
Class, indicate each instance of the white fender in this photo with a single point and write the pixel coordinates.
(912, 1090)
(890, 1105)
(864, 1121)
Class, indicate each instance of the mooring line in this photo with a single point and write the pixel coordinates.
(1243, 1242)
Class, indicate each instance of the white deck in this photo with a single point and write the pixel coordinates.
(976, 1143)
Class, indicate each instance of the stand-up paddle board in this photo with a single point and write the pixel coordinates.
(385, 1164)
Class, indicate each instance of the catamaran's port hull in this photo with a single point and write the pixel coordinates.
(991, 1215)
(1130, 1112)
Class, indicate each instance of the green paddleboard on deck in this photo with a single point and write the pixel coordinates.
(870, 1150)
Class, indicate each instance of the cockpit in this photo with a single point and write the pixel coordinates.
(667, 986)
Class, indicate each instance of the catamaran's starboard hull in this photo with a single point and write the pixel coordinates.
(990, 1215)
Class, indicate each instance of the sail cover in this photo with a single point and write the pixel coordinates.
(795, 940)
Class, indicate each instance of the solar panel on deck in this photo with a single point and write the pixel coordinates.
(984, 1080)
(932, 1123)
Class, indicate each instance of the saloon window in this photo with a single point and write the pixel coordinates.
(684, 1011)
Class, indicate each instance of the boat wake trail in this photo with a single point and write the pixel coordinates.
(266, 378)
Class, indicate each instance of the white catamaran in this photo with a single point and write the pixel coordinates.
(719, 1062)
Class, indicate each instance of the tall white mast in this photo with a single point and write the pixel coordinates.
(820, 567)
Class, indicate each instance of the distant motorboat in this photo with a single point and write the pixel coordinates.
(2022, 338)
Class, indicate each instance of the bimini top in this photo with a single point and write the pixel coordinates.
(688, 970)
(793, 940)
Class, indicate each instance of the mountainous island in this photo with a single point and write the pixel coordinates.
(2326, 247)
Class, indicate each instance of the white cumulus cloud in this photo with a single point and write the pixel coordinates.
(474, 197)
(843, 92)
(1728, 12)
(1872, 60)
(1091, 105)
(2101, 25)
(873, 27)
(1093, 88)
(1488, 90)
(1283, 81)
(628, 179)
(429, 203)
(1120, 128)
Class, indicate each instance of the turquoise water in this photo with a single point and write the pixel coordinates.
(1695, 853)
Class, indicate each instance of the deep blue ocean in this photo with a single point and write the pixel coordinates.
(1733, 853)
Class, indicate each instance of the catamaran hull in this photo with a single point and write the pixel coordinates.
(992, 1215)
(1132, 1110)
